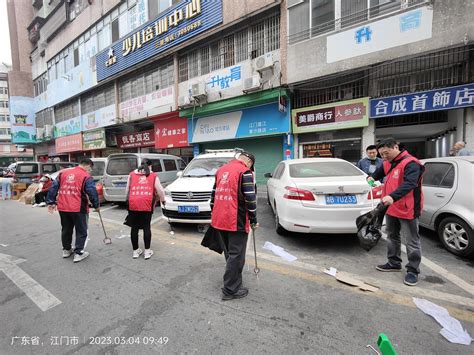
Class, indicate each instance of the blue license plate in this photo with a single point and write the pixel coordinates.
(188, 209)
(120, 184)
(341, 200)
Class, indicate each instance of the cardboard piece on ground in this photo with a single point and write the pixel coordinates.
(352, 281)
(29, 194)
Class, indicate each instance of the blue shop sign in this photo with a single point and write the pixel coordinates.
(434, 100)
(251, 122)
(176, 25)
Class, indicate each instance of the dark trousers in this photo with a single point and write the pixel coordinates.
(69, 222)
(40, 196)
(235, 248)
(146, 237)
(409, 229)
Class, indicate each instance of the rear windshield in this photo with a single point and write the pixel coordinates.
(323, 169)
(98, 168)
(205, 167)
(49, 168)
(121, 166)
(26, 168)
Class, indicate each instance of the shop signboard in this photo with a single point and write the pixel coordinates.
(68, 144)
(94, 139)
(148, 105)
(101, 118)
(257, 121)
(174, 26)
(433, 100)
(171, 133)
(22, 118)
(68, 127)
(339, 115)
(400, 30)
(137, 139)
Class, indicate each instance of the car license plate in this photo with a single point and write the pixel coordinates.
(120, 184)
(188, 209)
(341, 200)
(27, 180)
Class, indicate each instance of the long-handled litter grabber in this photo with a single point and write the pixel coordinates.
(106, 239)
(256, 270)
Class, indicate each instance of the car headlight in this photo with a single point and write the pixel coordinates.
(167, 193)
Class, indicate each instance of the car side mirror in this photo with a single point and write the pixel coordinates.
(268, 175)
(179, 173)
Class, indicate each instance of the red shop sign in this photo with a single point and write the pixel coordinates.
(137, 139)
(171, 133)
(68, 144)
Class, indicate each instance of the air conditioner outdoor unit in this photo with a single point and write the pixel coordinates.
(264, 62)
(39, 133)
(48, 131)
(198, 90)
(252, 84)
(184, 101)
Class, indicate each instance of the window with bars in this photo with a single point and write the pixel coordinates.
(66, 111)
(98, 99)
(249, 43)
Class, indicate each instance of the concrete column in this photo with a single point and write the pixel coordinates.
(368, 136)
(469, 127)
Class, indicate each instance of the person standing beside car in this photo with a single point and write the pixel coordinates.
(143, 187)
(403, 194)
(7, 182)
(371, 162)
(70, 195)
(234, 212)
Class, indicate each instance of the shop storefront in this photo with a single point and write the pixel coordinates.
(137, 142)
(426, 123)
(257, 123)
(70, 146)
(332, 130)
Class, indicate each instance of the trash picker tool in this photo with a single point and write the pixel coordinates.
(106, 239)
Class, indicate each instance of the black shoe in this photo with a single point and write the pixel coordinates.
(239, 294)
(388, 268)
(411, 279)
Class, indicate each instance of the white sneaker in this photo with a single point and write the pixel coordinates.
(35, 205)
(137, 253)
(80, 257)
(67, 253)
(148, 253)
(42, 204)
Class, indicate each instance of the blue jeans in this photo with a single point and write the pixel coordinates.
(6, 188)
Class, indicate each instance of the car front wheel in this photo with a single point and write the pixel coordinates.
(456, 236)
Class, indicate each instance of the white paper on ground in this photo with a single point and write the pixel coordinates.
(452, 328)
(279, 251)
(332, 271)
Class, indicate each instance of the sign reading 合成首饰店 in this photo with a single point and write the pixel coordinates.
(172, 27)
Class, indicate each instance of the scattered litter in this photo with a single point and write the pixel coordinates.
(452, 328)
(331, 271)
(349, 280)
(279, 251)
(172, 243)
(171, 232)
(123, 236)
(4, 245)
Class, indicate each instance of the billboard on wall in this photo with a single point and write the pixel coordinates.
(94, 139)
(68, 127)
(173, 26)
(68, 144)
(22, 119)
(171, 133)
(101, 118)
(137, 139)
(154, 103)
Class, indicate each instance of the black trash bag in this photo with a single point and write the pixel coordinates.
(369, 227)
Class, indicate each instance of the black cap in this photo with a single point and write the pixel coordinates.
(250, 156)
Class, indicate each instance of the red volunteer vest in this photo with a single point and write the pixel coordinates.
(141, 192)
(72, 196)
(405, 207)
(225, 214)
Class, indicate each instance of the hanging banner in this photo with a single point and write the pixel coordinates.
(138, 139)
(92, 140)
(68, 144)
(171, 133)
(22, 118)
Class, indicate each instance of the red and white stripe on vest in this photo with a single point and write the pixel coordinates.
(141, 192)
(72, 196)
(225, 213)
(405, 207)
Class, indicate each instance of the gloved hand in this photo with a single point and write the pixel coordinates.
(254, 226)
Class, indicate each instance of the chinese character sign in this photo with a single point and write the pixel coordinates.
(68, 144)
(345, 114)
(434, 100)
(171, 133)
(136, 139)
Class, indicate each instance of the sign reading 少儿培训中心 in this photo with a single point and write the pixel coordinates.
(433, 100)
(339, 115)
(176, 25)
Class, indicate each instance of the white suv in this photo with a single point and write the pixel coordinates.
(188, 198)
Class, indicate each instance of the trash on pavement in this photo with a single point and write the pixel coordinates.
(279, 251)
(331, 271)
(368, 227)
(352, 281)
(452, 328)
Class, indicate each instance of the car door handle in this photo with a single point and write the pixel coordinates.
(438, 194)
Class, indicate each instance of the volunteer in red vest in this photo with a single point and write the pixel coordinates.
(70, 194)
(234, 212)
(402, 193)
(143, 187)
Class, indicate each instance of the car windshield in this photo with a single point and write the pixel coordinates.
(205, 167)
(323, 169)
(98, 168)
(26, 168)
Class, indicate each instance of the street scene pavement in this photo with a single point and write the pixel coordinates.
(113, 304)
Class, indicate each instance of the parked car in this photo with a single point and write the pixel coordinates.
(449, 202)
(188, 198)
(318, 195)
(119, 166)
(32, 171)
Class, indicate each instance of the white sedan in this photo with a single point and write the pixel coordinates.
(318, 195)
